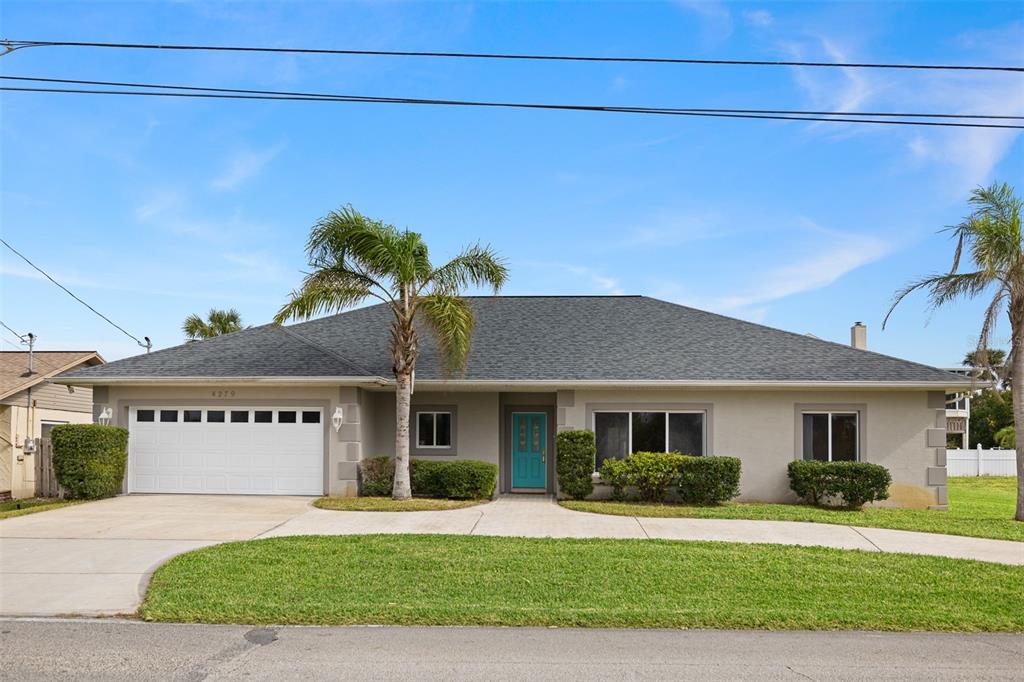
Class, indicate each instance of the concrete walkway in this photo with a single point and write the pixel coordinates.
(540, 516)
(96, 558)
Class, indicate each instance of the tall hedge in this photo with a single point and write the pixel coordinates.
(575, 460)
(89, 459)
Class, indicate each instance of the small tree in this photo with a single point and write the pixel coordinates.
(354, 258)
(217, 322)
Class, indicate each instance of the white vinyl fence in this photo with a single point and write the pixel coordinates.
(979, 462)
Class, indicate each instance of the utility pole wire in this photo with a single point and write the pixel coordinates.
(12, 45)
(147, 346)
(511, 105)
(363, 98)
(20, 337)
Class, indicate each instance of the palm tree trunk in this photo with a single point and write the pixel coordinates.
(403, 488)
(1017, 386)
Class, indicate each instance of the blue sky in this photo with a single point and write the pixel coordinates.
(151, 209)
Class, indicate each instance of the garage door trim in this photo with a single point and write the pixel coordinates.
(122, 417)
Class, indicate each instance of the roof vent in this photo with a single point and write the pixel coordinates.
(859, 336)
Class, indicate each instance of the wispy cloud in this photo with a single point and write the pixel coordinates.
(593, 279)
(715, 18)
(244, 166)
(758, 17)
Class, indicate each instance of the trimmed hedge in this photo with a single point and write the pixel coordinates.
(854, 483)
(377, 476)
(465, 479)
(708, 480)
(699, 480)
(574, 462)
(89, 459)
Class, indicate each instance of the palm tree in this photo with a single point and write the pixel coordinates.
(217, 322)
(990, 364)
(354, 258)
(992, 233)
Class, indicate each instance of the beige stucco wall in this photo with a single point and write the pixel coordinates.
(759, 427)
(17, 422)
(476, 424)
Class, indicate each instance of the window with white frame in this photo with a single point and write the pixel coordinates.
(434, 430)
(831, 436)
(619, 433)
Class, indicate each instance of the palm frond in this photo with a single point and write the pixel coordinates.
(450, 320)
(324, 291)
(943, 288)
(195, 328)
(477, 265)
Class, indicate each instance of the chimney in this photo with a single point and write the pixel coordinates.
(859, 336)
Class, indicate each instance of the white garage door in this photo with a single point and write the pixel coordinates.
(234, 451)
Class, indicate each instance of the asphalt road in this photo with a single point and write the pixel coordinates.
(128, 650)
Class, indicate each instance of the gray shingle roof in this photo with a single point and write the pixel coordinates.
(542, 338)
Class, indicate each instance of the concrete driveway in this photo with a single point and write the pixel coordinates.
(96, 558)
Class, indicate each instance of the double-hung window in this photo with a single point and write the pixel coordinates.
(434, 430)
(831, 436)
(620, 433)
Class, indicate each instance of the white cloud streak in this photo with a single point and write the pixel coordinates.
(243, 166)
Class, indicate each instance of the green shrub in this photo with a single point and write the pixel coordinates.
(616, 473)
(858, 483)
(807, 480)
(854, 483)
(653, 473)
(574, 462)
(708, 480)
(465, 479)
(89, 459)
(377, 476)
(1006, 437)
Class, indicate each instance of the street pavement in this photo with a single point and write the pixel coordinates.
(52, 649)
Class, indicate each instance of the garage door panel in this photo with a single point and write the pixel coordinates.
(226, 457)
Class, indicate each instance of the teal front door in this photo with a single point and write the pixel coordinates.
(529, 449)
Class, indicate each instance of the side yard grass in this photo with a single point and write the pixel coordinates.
(13, 508)
(473, 580)
(978, 507)
(387, 504)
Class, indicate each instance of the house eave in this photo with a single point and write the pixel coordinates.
(232, 380)
(458, 384)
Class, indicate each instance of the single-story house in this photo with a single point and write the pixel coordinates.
(30, 405)
(293, 409)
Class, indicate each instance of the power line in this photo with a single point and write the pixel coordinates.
(20, 336)
(189, 92)
(72, 295)
(13, 45)
(366, 98)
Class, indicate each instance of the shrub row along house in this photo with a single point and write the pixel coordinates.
(294, 409)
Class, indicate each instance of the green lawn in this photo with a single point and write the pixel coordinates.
(387, 504)
(980, 507)
(13, 508)
(474, 580)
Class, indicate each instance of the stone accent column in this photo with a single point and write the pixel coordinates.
(346, 446)
(565, 400)
(936, 441)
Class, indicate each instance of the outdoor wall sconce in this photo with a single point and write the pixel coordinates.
(105, 415)
(338, 417)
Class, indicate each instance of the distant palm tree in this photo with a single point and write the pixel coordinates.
(217, 322)
(354, 258)
(990, 363)
(992, 233)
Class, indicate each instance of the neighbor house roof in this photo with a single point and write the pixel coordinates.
(14, 374)
(537, 339)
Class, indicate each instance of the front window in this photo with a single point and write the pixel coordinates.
(434, 429)
(830, 436)
(620, 433)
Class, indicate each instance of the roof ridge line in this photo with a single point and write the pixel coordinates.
(323, 349)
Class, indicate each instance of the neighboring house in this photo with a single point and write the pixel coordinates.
(292, 410)
(30, 405)
(958, 412)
